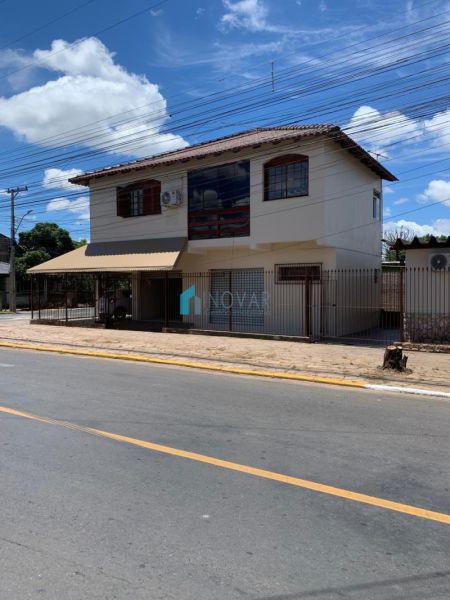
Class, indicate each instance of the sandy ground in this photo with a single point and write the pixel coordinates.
(429, 370)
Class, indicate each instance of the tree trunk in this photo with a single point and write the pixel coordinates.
(394, 358)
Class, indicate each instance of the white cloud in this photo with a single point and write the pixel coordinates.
(387, 211)
(388, 190)
(57, 179)
(200, 11)
(156, 13)
(79, 207)
(20, 63)
(245, 14)
(322, 6)
(92, 88)
(437, 190)
(401, 201)
(378, 129)
(436, 227)
(439, 127)
(58, 204)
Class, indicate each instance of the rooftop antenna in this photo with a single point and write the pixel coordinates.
(378, 154)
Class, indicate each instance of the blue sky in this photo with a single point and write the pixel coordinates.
(94, 83)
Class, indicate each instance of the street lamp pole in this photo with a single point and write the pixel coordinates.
(13, 192)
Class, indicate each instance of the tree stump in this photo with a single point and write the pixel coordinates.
(394, 358)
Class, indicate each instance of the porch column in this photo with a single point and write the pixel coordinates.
(136, 293)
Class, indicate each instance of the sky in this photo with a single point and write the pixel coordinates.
(95, 83)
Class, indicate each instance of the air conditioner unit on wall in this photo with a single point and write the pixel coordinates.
(171, 198)
(439, 261)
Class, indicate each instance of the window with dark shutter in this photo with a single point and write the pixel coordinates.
(139, 199)
(152, 194)
(286, 177)
(123, 202)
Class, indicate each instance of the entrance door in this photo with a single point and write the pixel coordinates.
(160, 297)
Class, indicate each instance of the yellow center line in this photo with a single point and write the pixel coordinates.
(231, 466)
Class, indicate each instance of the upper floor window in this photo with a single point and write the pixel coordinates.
(376, 205)
(286, 177)
(219, 201)
(139, 199)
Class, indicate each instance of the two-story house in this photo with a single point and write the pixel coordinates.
(236, 221)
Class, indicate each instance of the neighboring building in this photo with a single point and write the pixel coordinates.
(426, 290)
(4, 270)
(294, 200)
(4, 249)
(4, 278)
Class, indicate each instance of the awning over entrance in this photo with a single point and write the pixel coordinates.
(120, 257)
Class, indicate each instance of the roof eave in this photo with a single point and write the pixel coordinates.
(334, 133)
(362, 155)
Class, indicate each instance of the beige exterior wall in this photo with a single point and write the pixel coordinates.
(266, 257)
(284, 312)
(293, 219)
(340, 198)
(332, 226)
(348, 213)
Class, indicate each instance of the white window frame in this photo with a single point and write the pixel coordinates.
(376, 205)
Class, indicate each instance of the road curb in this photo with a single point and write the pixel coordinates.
(232, 370)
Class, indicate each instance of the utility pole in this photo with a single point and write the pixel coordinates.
(13, 192)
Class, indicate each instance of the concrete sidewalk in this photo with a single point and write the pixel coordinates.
(429, 370)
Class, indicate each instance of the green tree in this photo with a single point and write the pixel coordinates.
(43, 242)
(29, 259)
(46, 237)
(80, 243)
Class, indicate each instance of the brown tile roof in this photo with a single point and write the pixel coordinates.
(416, 244)
(240, 141)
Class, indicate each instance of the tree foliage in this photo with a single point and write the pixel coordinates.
(46, 237)
(390, 236)
(41, 243)
(29, 259)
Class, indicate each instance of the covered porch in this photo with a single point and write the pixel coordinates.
(123, 284)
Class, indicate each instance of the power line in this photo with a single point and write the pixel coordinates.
(415, 33)
(41, 27)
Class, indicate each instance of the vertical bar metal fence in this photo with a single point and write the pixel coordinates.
(375, 306)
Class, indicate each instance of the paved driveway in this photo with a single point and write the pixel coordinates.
(24, 315)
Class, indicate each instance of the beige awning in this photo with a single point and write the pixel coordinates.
(119, 257)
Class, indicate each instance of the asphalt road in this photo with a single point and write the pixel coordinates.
(86, 517)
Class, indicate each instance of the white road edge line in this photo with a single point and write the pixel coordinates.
(406, 390)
